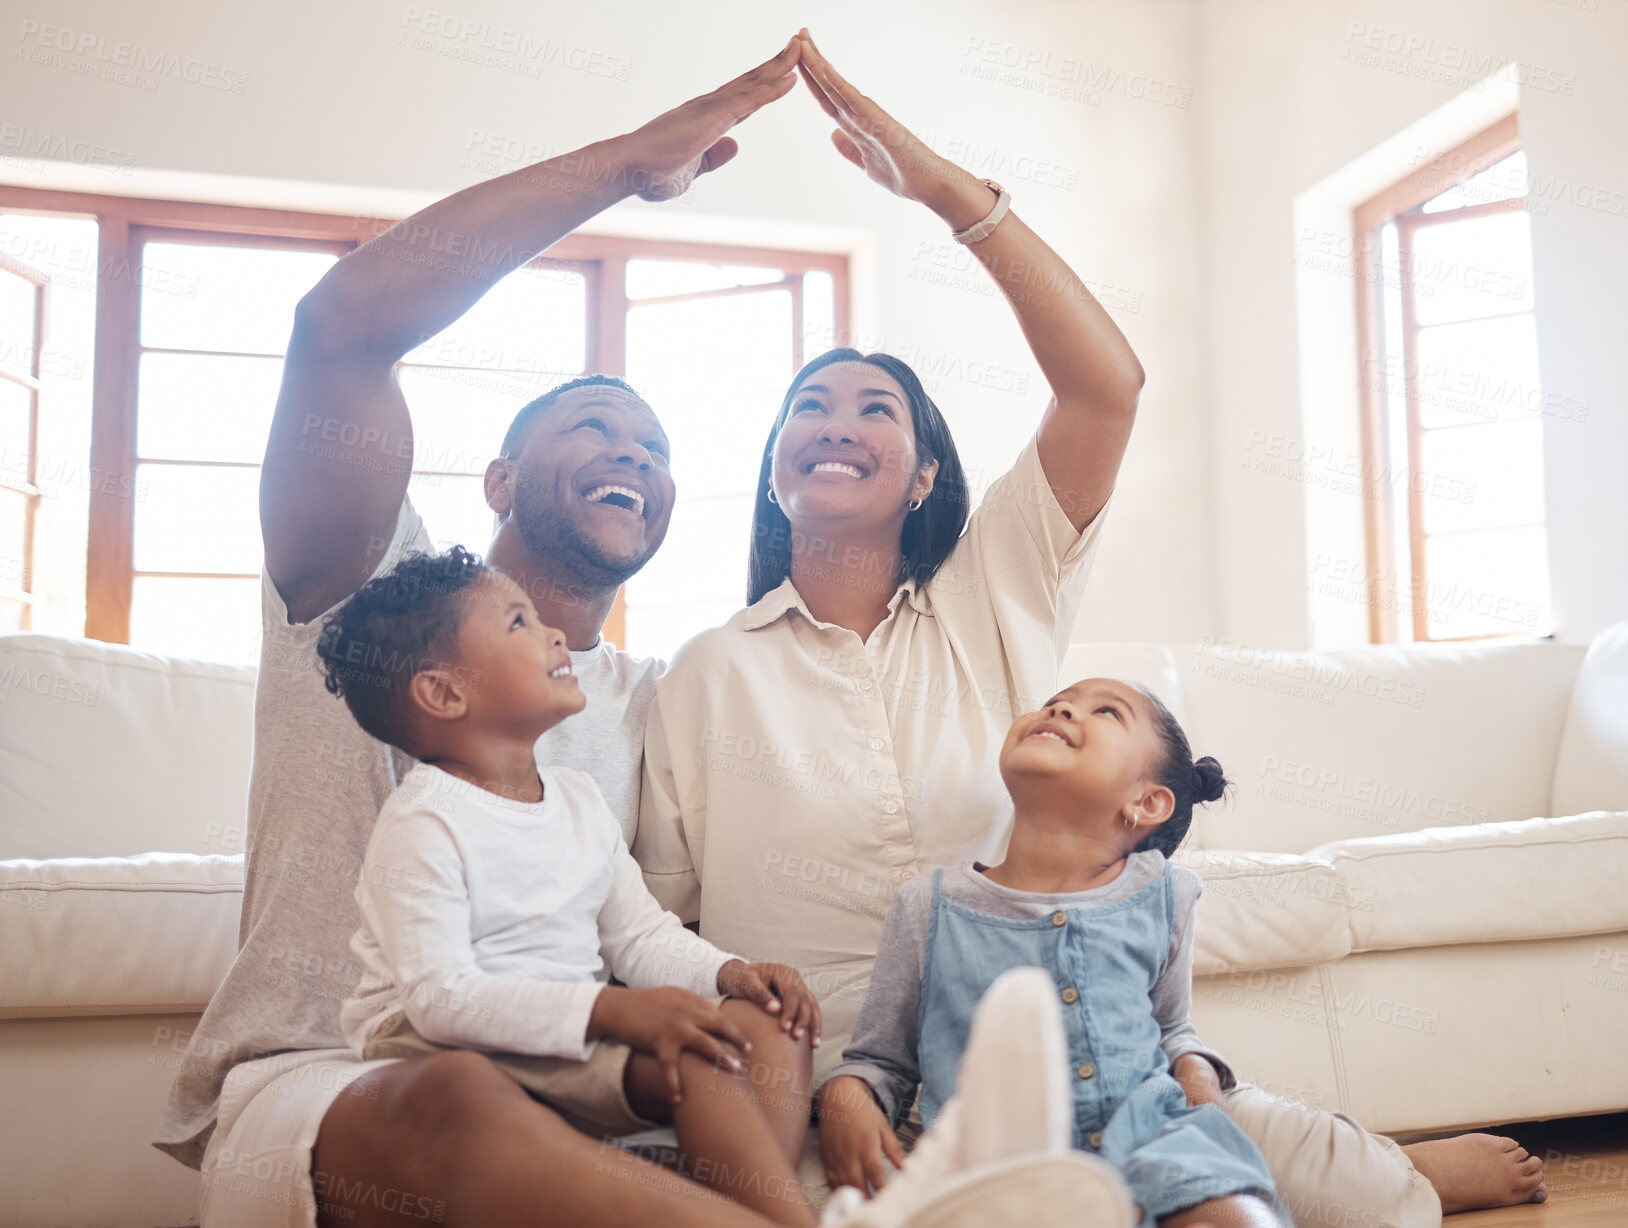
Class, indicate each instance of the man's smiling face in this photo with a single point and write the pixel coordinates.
(593, 490)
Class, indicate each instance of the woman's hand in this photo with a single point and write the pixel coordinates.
(855, 1136)
(889, 152)
(664, 1023)
(665, 156)
(1197, 1078)
(778, 989)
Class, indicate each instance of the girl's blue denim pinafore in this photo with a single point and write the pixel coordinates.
(1127, 1107)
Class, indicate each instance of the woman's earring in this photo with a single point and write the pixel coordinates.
(913, 504)
(772, 499)
(1132, 823)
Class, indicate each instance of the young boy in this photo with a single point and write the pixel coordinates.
(1103, 783)
(494, 890)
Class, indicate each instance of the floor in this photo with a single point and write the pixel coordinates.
(1586, 1161)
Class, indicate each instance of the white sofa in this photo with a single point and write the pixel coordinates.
(1411, 938)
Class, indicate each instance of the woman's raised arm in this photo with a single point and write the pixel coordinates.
(1094, 376)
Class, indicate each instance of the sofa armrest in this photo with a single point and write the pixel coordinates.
(117, 935)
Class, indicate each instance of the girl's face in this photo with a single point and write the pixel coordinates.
(847, 450)
(1096, 745)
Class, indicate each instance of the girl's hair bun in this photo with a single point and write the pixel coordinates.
(1209, 781)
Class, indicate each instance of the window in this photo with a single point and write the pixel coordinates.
(22, 325)
(164, 459)
(1452, 401)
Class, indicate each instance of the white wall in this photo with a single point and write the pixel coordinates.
(1282, 109)
(1169, 179)
(333, 95)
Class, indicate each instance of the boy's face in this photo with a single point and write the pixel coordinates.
(1096, 742)
(516, 670)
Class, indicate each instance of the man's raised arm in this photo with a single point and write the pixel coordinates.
(340, 450)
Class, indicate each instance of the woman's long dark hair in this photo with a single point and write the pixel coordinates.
(930, 532)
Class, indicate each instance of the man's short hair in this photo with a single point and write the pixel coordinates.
(514, 441)
(393, 627)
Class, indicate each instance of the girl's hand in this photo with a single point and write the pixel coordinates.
(779, 990)
(664, 1023)
(855, 1136)
(1197, 1078)
(666, 155)
(889, 152)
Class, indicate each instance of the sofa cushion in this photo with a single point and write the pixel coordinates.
(1374, 741)
(1591, 768)
(116, 935)
(108, 752)
(1493, 882)
(1268, 910)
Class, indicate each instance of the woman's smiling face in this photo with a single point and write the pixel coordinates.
(847, 449)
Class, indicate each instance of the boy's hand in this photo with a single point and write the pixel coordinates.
(1197, 1078)
(855, 1136)
(664, 1023)
(778, 989)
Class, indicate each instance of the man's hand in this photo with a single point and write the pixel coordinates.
(665, 156)
(778, 989)
(664, 1023)
(1197, 1078)
(855, 1136)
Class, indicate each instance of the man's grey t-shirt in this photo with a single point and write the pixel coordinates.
(315, 788)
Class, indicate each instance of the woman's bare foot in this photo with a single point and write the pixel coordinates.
(1471, 1171)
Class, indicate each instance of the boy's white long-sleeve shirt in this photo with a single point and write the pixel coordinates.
(487, 920)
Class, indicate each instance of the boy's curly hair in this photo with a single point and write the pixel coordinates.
(391, 628)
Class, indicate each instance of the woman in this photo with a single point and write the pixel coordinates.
(838, 737)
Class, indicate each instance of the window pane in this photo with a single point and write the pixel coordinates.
(190, 407)
(715, 371)
(1480, 371)
(13, 521)
(658, 278)
(703, 559)
(460, 414)
(197, 518)
(1500, 181)
(17, 300)
(1481, 477)
(454, 511)
(14, 404)
(819, 314)
(1493, 583)
(660, 630)
(534, 321)
(198, 296)
(1479, 267)
(204, 620)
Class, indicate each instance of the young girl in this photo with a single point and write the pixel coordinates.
(1103, 783)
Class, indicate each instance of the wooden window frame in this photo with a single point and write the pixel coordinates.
(125, 223)
(28, 484)
(1457, 165)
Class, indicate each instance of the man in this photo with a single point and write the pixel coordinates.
(301, 1132)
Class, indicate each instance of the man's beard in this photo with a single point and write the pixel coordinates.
(553, 537)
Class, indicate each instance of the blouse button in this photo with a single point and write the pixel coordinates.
(865, 684)
(1086, 1071)
(890, 806)
(1059, 918)
(877, 743)
(1096, 1140)
(1071, 994)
